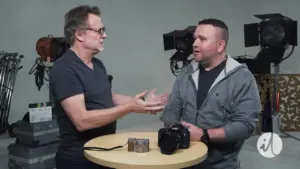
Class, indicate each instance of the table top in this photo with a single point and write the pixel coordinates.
(154, 159)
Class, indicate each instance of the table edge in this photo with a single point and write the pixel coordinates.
(160, 166)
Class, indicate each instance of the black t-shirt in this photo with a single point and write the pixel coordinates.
(71, 76)
(205, 80)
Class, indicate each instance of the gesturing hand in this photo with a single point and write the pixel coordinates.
(137, 104)
(151, 97)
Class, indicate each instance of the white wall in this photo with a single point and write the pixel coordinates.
(134, 48)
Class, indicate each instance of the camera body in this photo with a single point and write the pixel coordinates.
(172, 138)
(138, 145)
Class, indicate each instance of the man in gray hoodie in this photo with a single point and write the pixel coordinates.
(215, 97)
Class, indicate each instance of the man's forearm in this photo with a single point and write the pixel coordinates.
(231, 132)
(217, 134)
(84, 119)
(98, 118)
(119, 99)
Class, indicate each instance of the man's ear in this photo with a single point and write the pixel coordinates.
(79, 35)
(221, 46)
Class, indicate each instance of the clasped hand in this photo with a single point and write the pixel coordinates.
(195, 132)
(150, 103)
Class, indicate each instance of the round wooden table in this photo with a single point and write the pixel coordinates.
(154, 159)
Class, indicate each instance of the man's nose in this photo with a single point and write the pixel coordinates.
(195, 44)
(104, 35)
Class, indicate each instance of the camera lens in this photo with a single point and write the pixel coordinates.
(169, 144)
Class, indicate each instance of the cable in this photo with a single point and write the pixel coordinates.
(175, 68)
(103, 149)
(291, 52)
(39, 69)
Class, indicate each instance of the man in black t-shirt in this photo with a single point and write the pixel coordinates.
(85, 106)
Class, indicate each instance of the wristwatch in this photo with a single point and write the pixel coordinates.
(205, 137)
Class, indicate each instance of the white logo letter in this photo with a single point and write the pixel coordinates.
(269, 145)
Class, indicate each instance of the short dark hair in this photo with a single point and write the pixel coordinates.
(76, 19)
(217, 23)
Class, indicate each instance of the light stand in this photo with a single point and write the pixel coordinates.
(49, 49)
(274, 33)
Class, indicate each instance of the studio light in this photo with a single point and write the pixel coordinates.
(50, 48)
(181, 41)
(273, 34)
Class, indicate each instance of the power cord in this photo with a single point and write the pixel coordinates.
(175, 68)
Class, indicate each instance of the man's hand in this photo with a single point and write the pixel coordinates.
(137, 104)
(196, 133)
(151, 97)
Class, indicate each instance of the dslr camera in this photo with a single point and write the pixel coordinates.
(172, 138)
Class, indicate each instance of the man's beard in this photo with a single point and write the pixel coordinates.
(205, 63)
(97, 51)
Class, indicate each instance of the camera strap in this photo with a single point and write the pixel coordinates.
(103, 149)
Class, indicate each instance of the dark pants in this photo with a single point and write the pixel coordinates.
(64, 163)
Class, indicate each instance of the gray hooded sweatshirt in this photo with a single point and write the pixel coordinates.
(232, 103)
